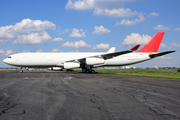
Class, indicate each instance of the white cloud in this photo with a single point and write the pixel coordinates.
(108, 8)
(91, 4)
(101, 46)
(121, 12)
(75, 51)
(65, 31)
(39, 50)
(57, 39)
(163, 45)
(2, 51)
(28, 25)
(135, 38)
(154, 14)
(163, 57)
(26, 29)
(80, 4)
(3, 41)
(56, 50)
(161, 27)
(6, 33)
(100, 30)
(177, 29)
(25, 51)
(77, 44)
(175, 44)
(130, 23)
(6, 52)
(170, 47)
(76, 34)
(33, 38)
(103, 7)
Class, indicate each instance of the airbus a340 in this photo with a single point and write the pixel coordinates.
(89, 60)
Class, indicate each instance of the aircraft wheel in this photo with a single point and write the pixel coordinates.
(21, 71)
(87, 71)
(93, 71)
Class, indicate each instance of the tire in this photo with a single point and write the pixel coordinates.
(87, 71)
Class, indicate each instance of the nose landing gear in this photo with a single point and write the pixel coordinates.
(21, 70)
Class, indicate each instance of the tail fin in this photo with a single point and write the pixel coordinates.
(153, 44)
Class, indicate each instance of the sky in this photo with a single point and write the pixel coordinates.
(89, 26)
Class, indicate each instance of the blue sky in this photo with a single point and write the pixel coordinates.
(89, 26)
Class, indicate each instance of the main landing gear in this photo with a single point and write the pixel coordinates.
(88, 70)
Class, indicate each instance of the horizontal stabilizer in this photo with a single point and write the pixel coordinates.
(160, 54)
(135, 47)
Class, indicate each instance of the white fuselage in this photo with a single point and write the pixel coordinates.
(58, 59)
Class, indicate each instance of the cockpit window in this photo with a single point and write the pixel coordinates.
(9, 57)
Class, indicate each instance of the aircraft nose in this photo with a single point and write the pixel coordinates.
(5, 60)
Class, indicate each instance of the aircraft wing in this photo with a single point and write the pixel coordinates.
(104, 56)
(160, 54)
(110, 54)
(114, 54)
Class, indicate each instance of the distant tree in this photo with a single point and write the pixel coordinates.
(178, 70)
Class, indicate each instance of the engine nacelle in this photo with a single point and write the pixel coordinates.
(94, 61)
(71, 65)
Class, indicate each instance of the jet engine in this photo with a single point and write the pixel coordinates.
(71, 65)
(94, 61)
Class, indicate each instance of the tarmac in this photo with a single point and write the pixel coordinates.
(59, 95)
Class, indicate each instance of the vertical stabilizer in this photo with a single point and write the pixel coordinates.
(153, 44)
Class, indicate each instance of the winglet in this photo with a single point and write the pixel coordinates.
(135, 47)
(111, 50)
(153, 44)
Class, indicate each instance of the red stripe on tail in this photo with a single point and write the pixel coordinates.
(153, 44)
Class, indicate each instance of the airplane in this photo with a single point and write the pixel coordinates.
(89, 60)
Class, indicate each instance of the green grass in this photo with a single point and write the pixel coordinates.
(163, 73)
(7, 69)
